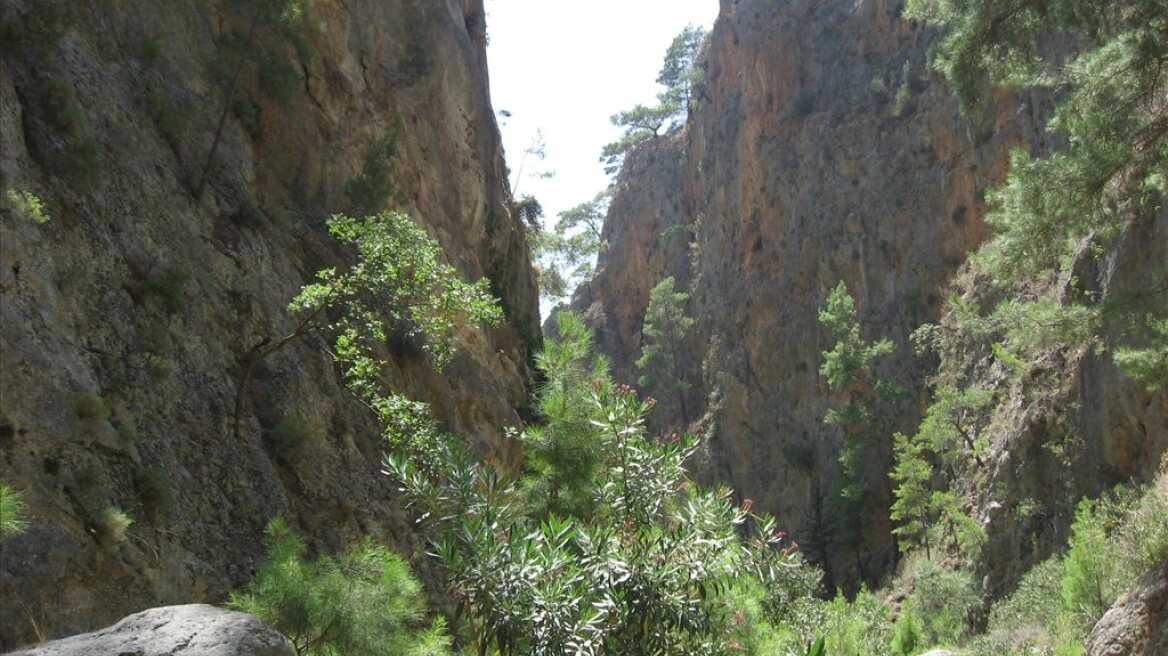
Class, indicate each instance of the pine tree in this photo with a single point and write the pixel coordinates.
(847, 368)
(663, 345)
(679, 74)
(1057, 212)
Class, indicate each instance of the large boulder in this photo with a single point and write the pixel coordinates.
(194, 629)
(1137, 625)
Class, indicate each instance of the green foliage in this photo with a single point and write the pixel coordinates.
(679, 75)
(644, 571)
(251, 116)
(158, 365)
(34, 34)
(398, 284)
(72, 151)
(91, 408)
(846, 365)
(789, 586)
(374, 189)
(293, 433)
(672, 232)
(680, 72)
(861, 627)
(1087, 583)
(561, 457)
(168, 288)
(110, 526)
(1114, 540)
(13, 514)
(398, 279)
(154, 488)
(663, 345)
(640, 123)
(860, 400)
(900, 102)
(170, 119)
(1068, 209)
(1032, 618)
(950, 434)
(363, 603)
(148, 51)
(566, 256)
(1147, 364)
(936, 612)
(28, 205)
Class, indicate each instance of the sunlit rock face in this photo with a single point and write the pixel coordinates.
(822, 147)
(126, 319)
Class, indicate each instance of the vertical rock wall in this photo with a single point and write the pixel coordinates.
(822, 147)
(125, 320)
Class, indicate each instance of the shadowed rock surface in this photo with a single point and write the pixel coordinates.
(126, 320)
(823, 147)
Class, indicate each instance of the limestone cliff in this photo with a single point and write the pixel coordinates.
(127, 317)
(821, 148)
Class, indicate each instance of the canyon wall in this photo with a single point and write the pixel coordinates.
(167, 261)
(822, 147)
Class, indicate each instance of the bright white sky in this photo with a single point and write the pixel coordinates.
(563, 67)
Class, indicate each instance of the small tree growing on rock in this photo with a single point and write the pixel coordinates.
(663, 345)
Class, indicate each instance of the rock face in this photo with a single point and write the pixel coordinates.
(650, 247)
(126, 318)
(1137, 625)
(822, 148)
(191, 630)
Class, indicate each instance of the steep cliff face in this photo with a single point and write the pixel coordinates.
(823, 148)
(646, 235)
(127, 317)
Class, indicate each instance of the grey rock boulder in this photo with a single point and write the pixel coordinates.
(1137, 625)
(190, 630)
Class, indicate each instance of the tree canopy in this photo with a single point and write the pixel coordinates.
(1106, 62)
(679, 75)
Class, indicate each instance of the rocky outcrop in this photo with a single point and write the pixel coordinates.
(126, 319)
(192, 630)
(1137, 625)
(822, 147)
(646, 236)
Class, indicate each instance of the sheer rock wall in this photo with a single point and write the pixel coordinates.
(126, 319)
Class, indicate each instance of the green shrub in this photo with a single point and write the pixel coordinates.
(860, 627)
(903, 93)
(33, 35)
(374, 189)
(154, 488)
(154, 337)
(365, 602)
(148, 51)
(168, 289)
(908, 634)
(170, 119)
(13, 518)
(158, 365)
(28, 205)
(248, 216)
(1089, 578)
(935, 613)
(91, 408)
(1114, 540)
(293, 433)
(110, 526)
(251, 116)
(82, 161)
(1032, 618)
